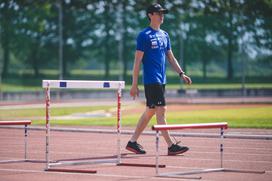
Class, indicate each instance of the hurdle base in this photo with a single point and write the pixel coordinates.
(19, 161)
(12, 161)
(179, 176)
(70, 170)
(67, 163)
(175, 174)
(244, 171)
(140, 165)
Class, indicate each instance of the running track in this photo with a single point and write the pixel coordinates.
(204, 153)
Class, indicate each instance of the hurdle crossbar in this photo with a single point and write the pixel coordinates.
(79, 84)
(13, 123)
(221, 125)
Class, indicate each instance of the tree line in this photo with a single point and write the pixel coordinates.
(104, 31)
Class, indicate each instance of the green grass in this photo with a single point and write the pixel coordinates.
(253, 117)
(220, 86)
(24, 88)
(19, 88)
(25, 80)
(39, 112)
(260, 117)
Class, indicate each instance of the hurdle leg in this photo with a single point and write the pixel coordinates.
(157, 166)
(25, 142)
(47, 117)
(119, 94)
(233, 170)
(221, 146)
(25, 123)
(157, 152)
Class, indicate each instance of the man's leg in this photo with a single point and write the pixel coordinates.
(173, 148)
(142, 123)
(132, 145)
(160, 115)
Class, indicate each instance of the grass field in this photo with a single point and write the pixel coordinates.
(243, 116)
(24, 88)
(25, 80)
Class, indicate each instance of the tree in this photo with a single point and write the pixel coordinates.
(226, 26)
(7, 10)
(33, 34)
(200, 31)
(258, 21)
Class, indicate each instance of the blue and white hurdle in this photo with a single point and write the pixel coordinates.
(79, 84)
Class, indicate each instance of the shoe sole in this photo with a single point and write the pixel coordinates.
(177, 153)
(133, 150)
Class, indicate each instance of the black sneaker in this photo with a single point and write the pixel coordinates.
(176, 149)
(135, 147)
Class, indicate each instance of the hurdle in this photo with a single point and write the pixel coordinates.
(79, 84)
(220, 125)
(13, 123)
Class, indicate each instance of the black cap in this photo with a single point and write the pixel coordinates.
(156, 8)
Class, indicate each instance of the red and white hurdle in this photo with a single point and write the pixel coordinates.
(15, 123)
(221, 125)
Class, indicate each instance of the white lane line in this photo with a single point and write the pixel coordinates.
(226, 160)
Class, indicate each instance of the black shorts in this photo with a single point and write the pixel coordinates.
(154, 94)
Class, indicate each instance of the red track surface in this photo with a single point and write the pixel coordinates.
(203, 153)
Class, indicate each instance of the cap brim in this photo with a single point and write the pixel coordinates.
(164, 11)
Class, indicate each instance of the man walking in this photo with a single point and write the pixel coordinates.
(153, 46)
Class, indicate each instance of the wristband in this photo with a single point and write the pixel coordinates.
(181, 74)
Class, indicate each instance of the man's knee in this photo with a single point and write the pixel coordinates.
(149, 112)
(160, 110)
(160, 113)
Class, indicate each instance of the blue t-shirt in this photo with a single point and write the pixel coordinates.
(155, 45)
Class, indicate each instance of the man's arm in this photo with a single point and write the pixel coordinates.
(134, 91)
(174, 63)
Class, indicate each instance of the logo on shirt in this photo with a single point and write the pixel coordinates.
(158, 41)
(148, 32)
(154, 44)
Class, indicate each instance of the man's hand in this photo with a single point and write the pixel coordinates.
(186, 79)
(134, 92)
